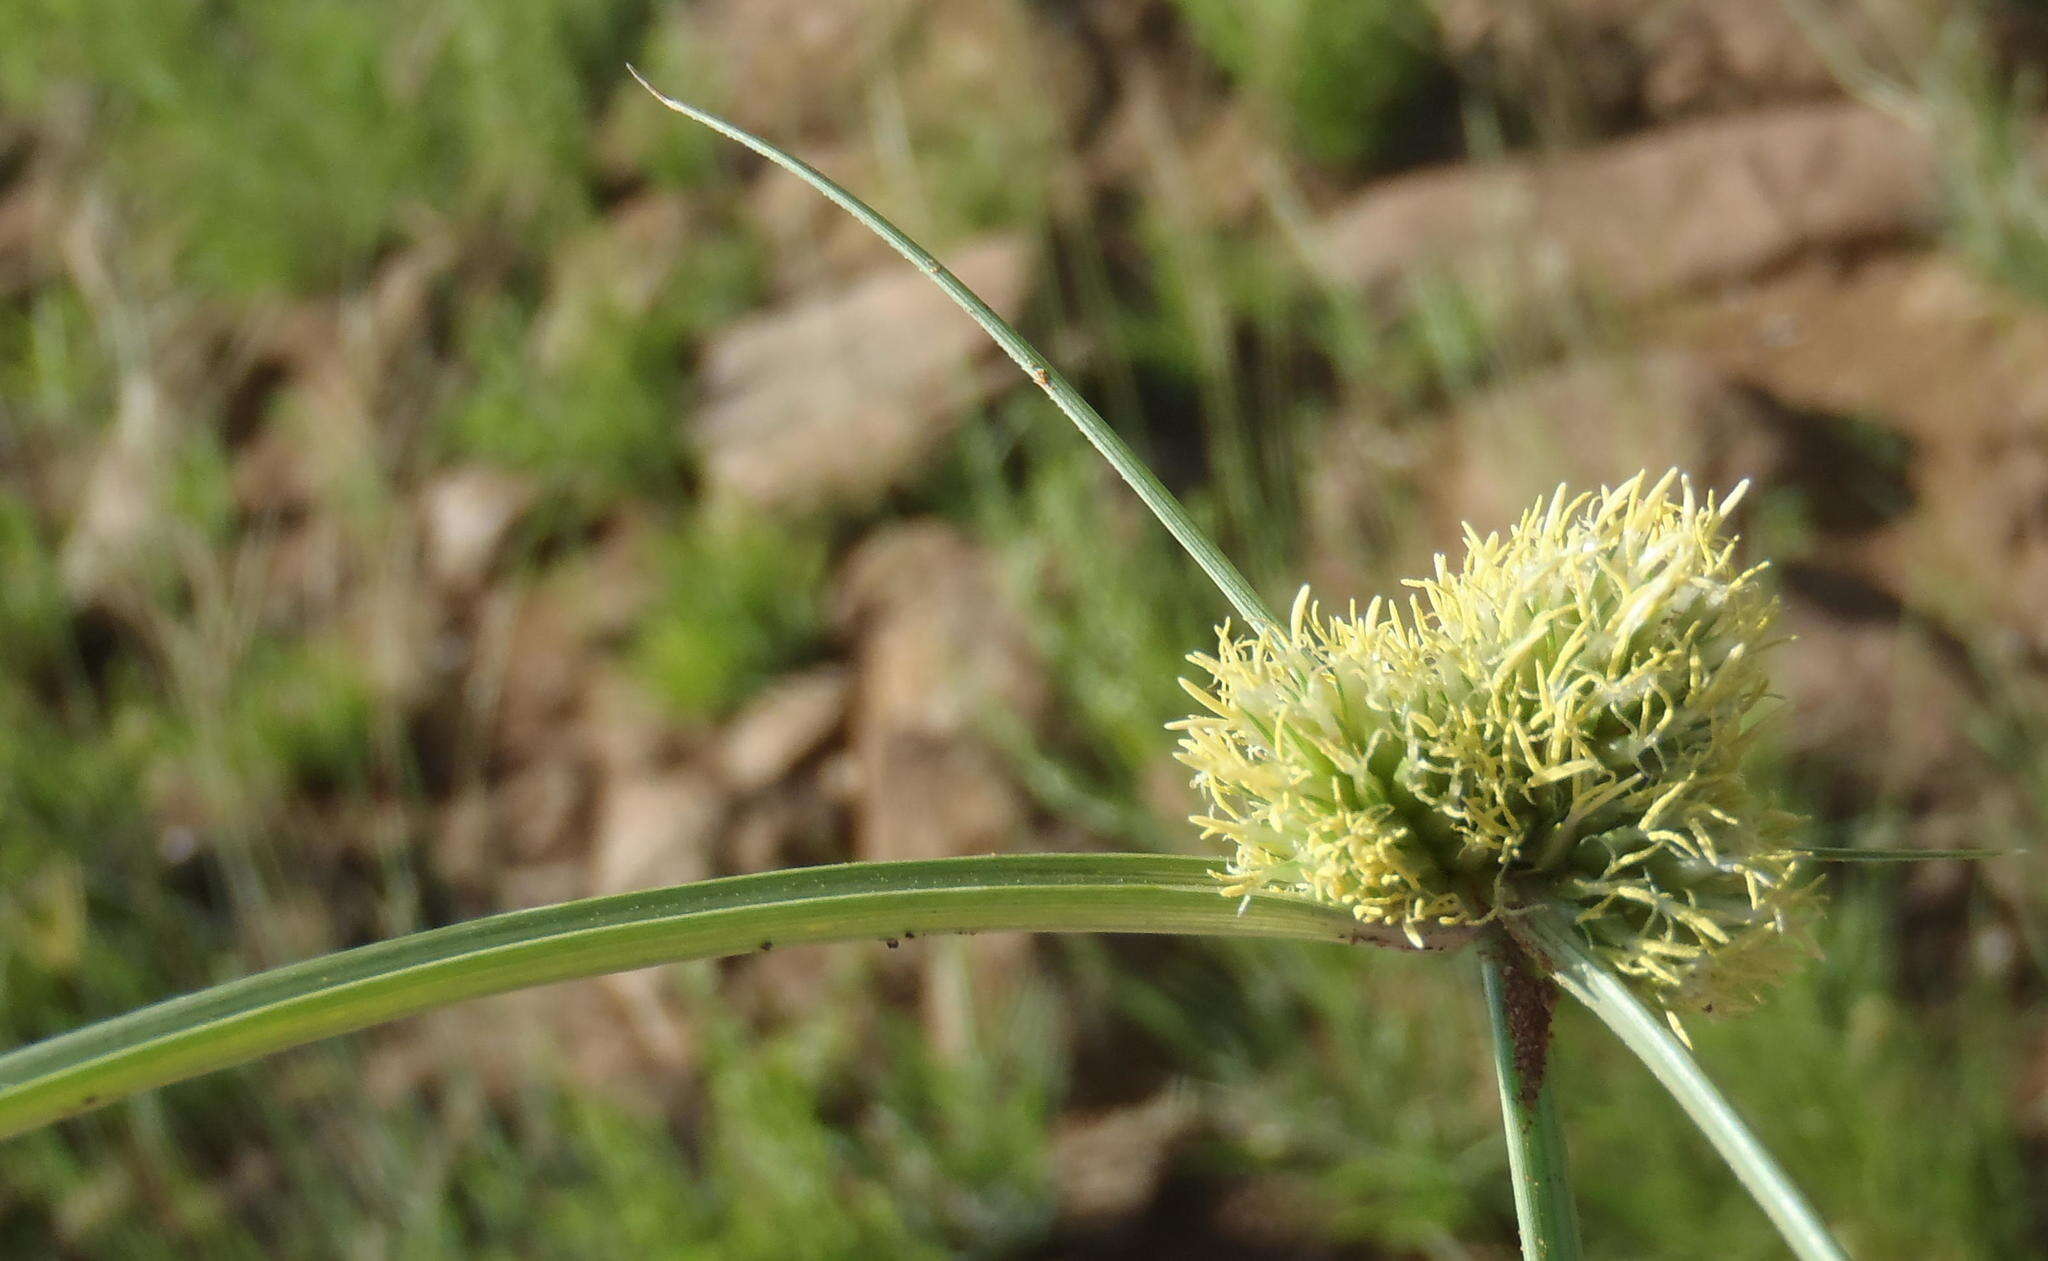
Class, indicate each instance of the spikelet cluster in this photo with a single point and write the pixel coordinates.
(1561, 720)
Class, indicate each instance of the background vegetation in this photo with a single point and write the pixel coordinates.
(434, 480)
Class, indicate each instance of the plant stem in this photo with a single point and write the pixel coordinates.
(1518, 1005)
(238, 1021)
(1584, 979)
(1036, 366)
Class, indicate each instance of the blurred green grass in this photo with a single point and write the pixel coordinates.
(168, 800)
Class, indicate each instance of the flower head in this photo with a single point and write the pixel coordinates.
(1560, 720)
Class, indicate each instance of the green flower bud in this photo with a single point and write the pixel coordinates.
(1562, 720)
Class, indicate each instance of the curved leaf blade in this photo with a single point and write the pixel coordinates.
(1853, 854)
(1581, 976)
(1072, 405)
(241, 1020)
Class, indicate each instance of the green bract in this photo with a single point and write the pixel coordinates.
(1561, 720)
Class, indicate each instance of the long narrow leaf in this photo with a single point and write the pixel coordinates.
(1036, 366)
(1840, 854)
(1584, 979)
(241, 1020)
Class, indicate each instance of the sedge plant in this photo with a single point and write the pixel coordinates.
(1538, 755)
